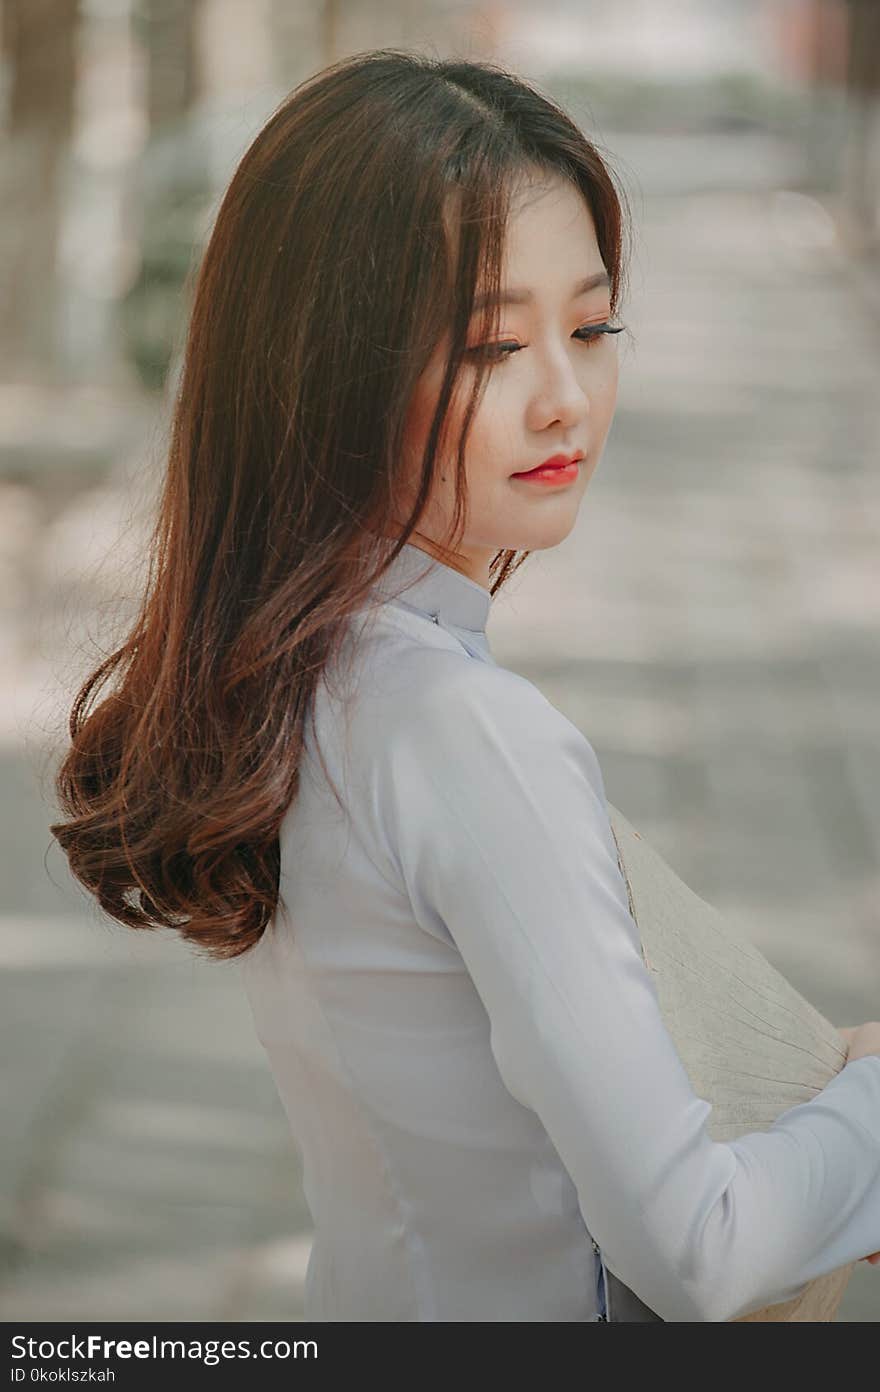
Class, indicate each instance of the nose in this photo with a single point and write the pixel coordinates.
(560, 398)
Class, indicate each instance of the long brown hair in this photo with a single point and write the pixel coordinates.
(329, 279)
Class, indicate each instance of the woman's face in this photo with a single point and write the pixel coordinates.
(550, 391)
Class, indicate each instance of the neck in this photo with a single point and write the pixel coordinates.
(473, 563)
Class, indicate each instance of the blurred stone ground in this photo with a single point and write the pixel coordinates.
(711, 624)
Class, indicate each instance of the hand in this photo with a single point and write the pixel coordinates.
(848, 1034)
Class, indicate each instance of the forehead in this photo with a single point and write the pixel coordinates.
(543, 205)
(550, 248)
(549, 210)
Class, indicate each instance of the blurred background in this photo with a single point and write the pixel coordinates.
(711, 624)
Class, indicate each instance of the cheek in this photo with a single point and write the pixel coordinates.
(492, 439)
(612, 379)
(489, 448)
(421, 414)
(497, 423)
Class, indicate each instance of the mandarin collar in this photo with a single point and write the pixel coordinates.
(441, 593)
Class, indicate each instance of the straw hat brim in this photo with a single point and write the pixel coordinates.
(751, 1044)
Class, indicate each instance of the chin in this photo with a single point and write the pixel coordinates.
(549, 532)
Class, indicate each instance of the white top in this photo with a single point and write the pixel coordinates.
(465, 1037)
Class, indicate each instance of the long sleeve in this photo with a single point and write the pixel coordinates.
(490, 809)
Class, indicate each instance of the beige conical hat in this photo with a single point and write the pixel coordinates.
(751, 1044)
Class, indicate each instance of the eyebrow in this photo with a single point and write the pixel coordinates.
(589, 282)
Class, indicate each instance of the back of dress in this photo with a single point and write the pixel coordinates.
(492, 1114)
(435, 1195)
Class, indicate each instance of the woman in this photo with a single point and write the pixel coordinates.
(401, 370)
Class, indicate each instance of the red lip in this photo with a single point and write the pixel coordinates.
(556, 461)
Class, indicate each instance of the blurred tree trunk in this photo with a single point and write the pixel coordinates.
(168, 29)
(861, 176)
(162, 187)
(329, 32)
(39, 45)
(825, 29)
(296, 40)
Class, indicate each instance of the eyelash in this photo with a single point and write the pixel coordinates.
(592, 332)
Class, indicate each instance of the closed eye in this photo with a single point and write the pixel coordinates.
(500, 352)
(591, 331)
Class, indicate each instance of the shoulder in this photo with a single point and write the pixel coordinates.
(437, 688)
(440, 712)
(401, 668)
(415, 706)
